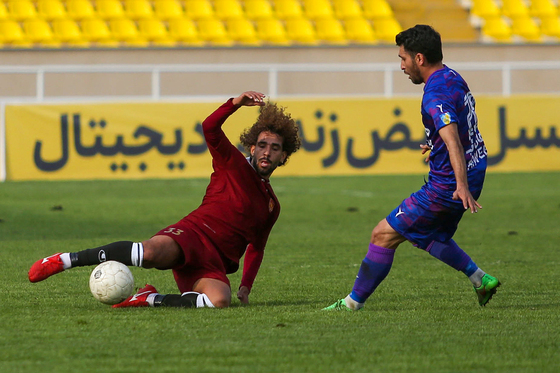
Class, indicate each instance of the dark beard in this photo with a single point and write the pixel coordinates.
(415, 76)
(416, 80)
(259, 171)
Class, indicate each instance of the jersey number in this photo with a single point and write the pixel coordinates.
(175, 231)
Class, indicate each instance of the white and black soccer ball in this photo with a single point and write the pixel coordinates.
(111, 282)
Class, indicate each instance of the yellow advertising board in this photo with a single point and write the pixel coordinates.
(102, 141)
(522, 133)
(339, 137)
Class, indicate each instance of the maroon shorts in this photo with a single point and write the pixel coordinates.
(202, 260)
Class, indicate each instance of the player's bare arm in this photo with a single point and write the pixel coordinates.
(450, 136)
(249, 98)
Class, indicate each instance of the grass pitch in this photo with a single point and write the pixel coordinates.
(423, 318)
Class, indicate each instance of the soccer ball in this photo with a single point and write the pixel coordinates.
(111, 282)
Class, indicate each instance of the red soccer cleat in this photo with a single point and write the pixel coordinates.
(45, 268)
(139, 299)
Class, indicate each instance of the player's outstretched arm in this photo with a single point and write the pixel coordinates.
(249, 98)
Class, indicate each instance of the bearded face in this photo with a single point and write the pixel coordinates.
(410, 67)
(267, 154)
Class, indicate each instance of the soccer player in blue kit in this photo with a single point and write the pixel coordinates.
(429, 217)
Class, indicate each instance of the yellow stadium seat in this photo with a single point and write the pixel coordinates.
(11, 34)
(285, 9)
(300, 30)
(330, 31)
(359, 30)
(514, 8)
(272, 31)
(485, 9)
(316, 9)
(347, 9)
(109, 9)
(183, 30)
(213, 31)
(3, 11)
(125, 31)
(168, 9)
(526, 28)
(155, 32)
(496, 30)
(198, 9)
(138, 9)
(387, 29)
(68, 32)
(228, 9)
(96, 31)
(51, 9)
(38, 31)
(80, 9)
(543, 8)
(550, 26)
(258, 9)
(242, 31)
(377, 9)
(20, 10)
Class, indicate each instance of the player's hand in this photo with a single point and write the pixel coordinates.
(250, 98)
(468, 200)
(243, 294)
(425, 148)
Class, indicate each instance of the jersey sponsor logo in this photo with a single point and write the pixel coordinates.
(102, 256)
(445, 118)
(271, 205)
(401, 212)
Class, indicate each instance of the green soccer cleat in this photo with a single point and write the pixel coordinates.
(487, 289)
(339, 305)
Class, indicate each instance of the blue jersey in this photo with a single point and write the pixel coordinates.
(447, 99)
(431, 214)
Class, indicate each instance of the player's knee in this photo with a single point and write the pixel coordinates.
(217, 291)
(220, 302)
(161, 252)
(385, 236)
(377, 235)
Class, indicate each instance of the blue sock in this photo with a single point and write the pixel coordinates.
(452, 255)
(375, 267)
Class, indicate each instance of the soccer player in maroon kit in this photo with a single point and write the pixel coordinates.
(235, 218)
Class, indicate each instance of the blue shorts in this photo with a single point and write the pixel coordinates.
(430, 214)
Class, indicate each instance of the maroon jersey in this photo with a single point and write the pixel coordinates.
(239, 208)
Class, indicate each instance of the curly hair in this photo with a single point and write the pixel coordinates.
(273, 119)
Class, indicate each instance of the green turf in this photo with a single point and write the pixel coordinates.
(423, 318)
